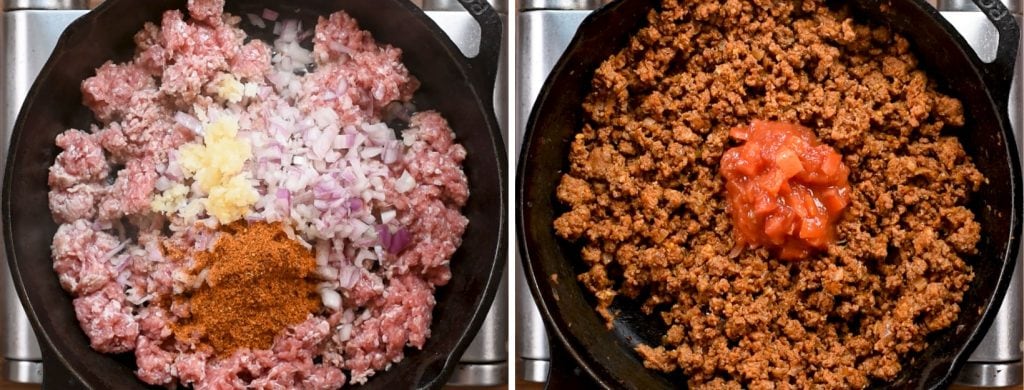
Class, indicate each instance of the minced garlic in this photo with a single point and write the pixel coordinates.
(230, 89)
(231, 200)
(170, 200)
(216, 168)
(220, 157)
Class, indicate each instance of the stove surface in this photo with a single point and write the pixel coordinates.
(544, 33)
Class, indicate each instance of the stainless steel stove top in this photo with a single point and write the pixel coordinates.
(545, 29)
(30, 29)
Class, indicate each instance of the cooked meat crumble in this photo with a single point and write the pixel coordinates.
(647, 204)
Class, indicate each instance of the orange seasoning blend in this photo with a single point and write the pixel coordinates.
(258, 282)
(785, 190)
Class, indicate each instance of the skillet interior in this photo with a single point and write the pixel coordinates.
(450, 84)
(552, 263)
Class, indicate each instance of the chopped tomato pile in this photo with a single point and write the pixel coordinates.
(785, 190)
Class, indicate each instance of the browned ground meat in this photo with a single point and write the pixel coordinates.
(647, 204)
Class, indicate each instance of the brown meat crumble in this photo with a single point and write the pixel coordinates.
(647, 204)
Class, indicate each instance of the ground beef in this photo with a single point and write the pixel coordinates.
(340, 35)
(110, 92)
(77, 202)
(81, 257)
(131, 192)
(647, 205)
(252, 61)
(106, 317)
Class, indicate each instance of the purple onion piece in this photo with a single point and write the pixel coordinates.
(270, 14)
(355, 204)
(400, 240)
(384, 236)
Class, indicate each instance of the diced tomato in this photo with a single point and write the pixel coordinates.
(832, 200)
(776, 227)
(831, 164)
(785, 189)
(788, 162)
(772, 182)
(740, 132)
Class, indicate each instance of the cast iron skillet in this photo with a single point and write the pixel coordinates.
(460, 88)
(552, 264)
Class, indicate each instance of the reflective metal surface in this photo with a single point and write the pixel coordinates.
(997, 360)
(21, 371)
(991, 375)
(528, 5)
(490, 345)
(543, 36)
(45, 4)
(453, 5)
(968, 5)
(29, 38)
(479, 375)
(530, 370)
(485, 362)
(531, 340)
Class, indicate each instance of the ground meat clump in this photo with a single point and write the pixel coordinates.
(647, 205)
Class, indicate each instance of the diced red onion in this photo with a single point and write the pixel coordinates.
(162, 184)
(345, 141)
(405, 183)
(125, 262)
(344, 332)
(355, 204)
(338, 47)
(189, 122)
(284, 199)
(387, 216)
(323, 249)
(279, 79)
(364, 254)
(321, 145)
(200, 279)
(370, 152)
(105, 225)
(392, 152)
(331, 299)
(265, 92)
(342, 87)
(255, 20)
(348, 276)
(384, 235)
(270, 14)
(328, 273)
(399, 241)
(290, 30)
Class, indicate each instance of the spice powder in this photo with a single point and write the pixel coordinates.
(258, 282)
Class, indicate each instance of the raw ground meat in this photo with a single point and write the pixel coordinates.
(81, 256)
(647, 205)
(111, 91)
(106, 317)
(124, 262)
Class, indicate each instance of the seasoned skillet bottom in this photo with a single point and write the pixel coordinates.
(647, 204)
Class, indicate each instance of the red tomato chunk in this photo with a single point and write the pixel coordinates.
(785, 190)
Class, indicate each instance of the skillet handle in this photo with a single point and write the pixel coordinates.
(484, 67)
(999, 73)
